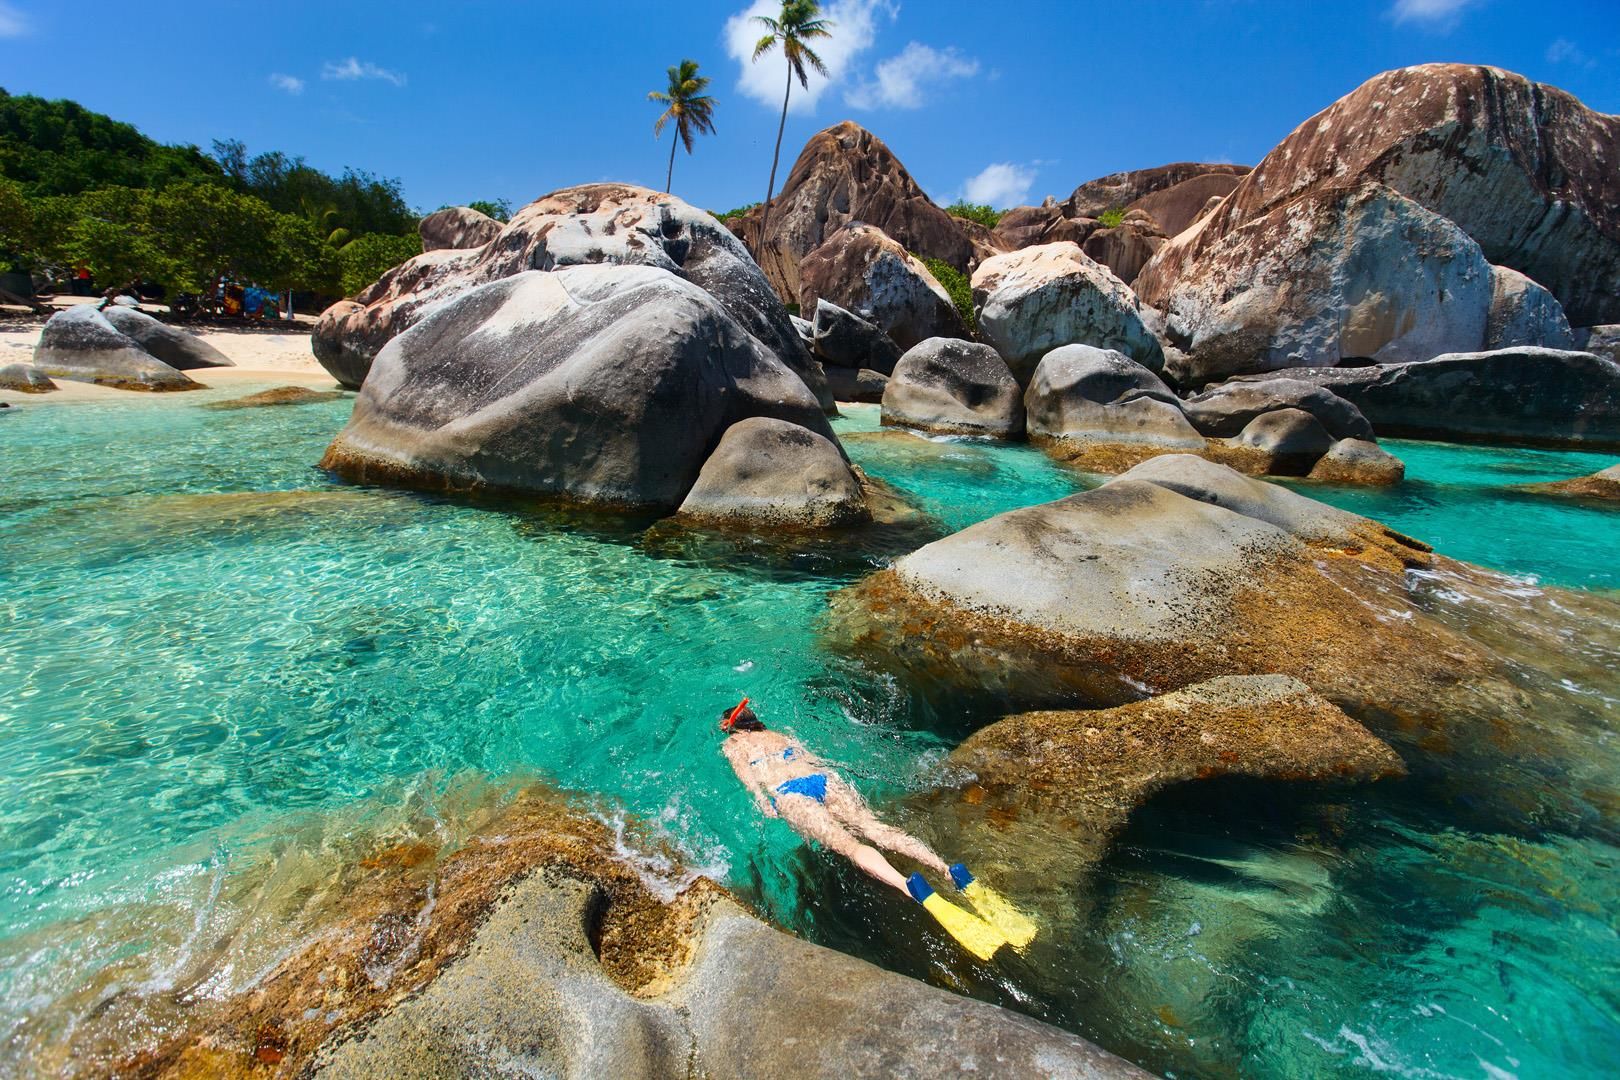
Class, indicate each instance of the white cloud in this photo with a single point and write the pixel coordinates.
(900, 79)
(1439, 14)
(854, 28)
(12, 22)
(353, 68)
(290, 83)
(1565, 51)
(1000, 185)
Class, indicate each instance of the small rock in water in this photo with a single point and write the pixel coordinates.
(281, 395)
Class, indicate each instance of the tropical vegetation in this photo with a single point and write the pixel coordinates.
(978, 212)
(690, 109)
(958, 286)
(798, 23)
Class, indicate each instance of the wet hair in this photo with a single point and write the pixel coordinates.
(746, 720)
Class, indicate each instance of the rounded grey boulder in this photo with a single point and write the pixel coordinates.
(954, 387)
(457, 228)
(603, 384)
(25, 379)
(771, 472)
(1079, 391)
(1225, 410)
(1293, 438)
(1356, 461)
(79, 343)
(179, 349)
(844, 339)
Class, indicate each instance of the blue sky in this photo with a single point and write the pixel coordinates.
(1002, 102)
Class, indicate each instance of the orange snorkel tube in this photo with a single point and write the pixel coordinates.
(730, 719)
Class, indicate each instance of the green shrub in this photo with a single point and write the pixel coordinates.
(957, 286)
(499, 209)
(371, 256)
(1111, 218)
(984, 215)
(735, 213)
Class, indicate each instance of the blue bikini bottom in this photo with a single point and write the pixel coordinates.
(813, 786)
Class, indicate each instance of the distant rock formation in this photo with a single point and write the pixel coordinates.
(1119, 191)
(862, 270)
(457, 227)
(843, 175)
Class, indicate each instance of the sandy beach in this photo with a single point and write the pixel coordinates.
(279, 354)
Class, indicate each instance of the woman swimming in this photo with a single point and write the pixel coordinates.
(788, 782)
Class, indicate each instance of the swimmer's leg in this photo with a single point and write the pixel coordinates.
(812, 821)
(849, 808)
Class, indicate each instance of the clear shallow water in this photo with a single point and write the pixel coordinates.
(209, 646)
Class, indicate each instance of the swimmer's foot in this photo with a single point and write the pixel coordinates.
(994, 908)
(976, 936)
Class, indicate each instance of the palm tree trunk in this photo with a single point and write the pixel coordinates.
(674, 141)
(765, 213)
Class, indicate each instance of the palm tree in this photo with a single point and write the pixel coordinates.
(688, 107)
(798, 23)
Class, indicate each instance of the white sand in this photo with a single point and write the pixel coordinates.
(260, 356)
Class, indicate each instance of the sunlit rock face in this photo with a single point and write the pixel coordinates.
(862, 270)
(1526, 170)
(595, 223)
(600, 384)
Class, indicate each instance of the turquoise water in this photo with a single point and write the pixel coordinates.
(216, 658)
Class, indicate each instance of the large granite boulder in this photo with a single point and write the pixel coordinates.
(1523, 168)
(1339, 273)
(1523, 313)
(457, 227)
(1026, 226)
(1601, 340)
(1175, 207)
(844, 339)
(954, 387)
(846, 174)
(180, 349)
(774, 473)
(25, 379)
(856, 384)
(1292, 439)
(862, 270)
(79, 343)
(601, 384)
(1545, 396)
(1079, 392)
(1225, 410)
(594, 223)
(1120, 190)
(1029, 302)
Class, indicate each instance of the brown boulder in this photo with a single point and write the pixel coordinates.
(1600, 485)
(863, 271)
(1178, 206)
(1116, 191)
(457, 227)
(1126, 248)
(846, 174)
(1524, 168)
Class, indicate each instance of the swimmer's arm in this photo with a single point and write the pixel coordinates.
(761, 801)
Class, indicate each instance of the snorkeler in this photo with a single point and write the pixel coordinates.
(790, 783)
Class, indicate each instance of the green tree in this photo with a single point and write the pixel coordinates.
(688, 106)
(797, 23)
(369, 257)
(16, 225)
(499, 209)
(979, 212)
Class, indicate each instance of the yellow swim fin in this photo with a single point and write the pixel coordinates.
(994, 908)
(976, 936)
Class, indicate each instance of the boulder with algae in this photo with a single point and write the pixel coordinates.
(1604, 484)
(1082, 773)
(534, 950)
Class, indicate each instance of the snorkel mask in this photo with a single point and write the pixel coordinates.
(729, 721)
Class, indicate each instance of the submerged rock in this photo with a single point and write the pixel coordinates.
(457, 227)
(601, 384)
(1093, 768)
(25, 379)
(862, 270)
(79, 343)
(1600, 485)
(281, 395)
(180, 349)
(594, 223)
(953, 387)
(1029, 302)
(771, 472)
(1545, 396)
